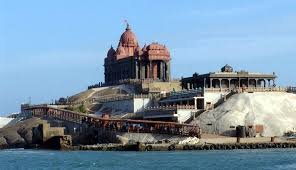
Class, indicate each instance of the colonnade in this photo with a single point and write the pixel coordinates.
(229, 83)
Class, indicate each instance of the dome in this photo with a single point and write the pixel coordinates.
(111, 52)
(156, 46)
(156, 51)
(227, 68)
(128, 38)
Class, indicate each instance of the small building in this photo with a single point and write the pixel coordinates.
(178, 113)
(194, 97)
(229, 79)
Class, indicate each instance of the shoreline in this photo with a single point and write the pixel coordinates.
(143, 147)
(140, 147)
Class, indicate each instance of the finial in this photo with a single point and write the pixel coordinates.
(127, 25)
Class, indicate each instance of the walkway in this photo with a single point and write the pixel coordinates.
(120, 125)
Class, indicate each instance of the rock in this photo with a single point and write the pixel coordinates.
(14, 139)
(3, 142)
(18, 135)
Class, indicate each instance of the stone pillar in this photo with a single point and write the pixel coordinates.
(211, 81)
(229, 83)
(195, 103)
(144, 71)
(161, 71)
(168, 71)
(150, 70)
(220, 84)
(256, 83)
(137, 70)
(248, 82)
(273, 83)
(204, 86)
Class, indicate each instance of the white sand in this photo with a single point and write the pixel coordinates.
(276, 111)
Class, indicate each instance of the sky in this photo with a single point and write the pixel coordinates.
(56, 48)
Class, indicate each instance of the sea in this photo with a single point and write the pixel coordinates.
(220, 159)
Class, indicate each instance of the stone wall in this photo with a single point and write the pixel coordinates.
(162, 86)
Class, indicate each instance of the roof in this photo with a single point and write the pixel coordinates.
(241, 74)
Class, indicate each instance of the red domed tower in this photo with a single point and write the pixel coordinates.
(127, 43)
(130, 61)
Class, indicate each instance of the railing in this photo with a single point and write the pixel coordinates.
(264, 89)
(248, 89)
(224, 98)
(217, 89)
(120, 125)
(117, 97)
(169, 108)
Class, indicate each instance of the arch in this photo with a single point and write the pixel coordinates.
(244, 83)
(216, 83)
(252, 83)
(233, 83)
(260, 84)
(225, 83)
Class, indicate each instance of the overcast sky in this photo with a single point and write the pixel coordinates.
(55, 48)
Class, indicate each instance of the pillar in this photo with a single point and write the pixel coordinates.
(136, 69)
(229, 83)
(248, 82)
(143, 71)
(273, 83)
(150, 70)
(204, 86)
(195, 103)
(162, 70)
(211, 81)
(168, 71)
(220, 84)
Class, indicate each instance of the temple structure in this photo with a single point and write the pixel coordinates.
(130, 61)
(227, 78)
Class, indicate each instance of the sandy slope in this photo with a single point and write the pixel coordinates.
(275, 110)
(4, 121)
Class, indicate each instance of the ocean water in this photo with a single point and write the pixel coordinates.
(234, 159)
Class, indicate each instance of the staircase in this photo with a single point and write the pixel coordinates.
(194, 115)
(224, 99)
